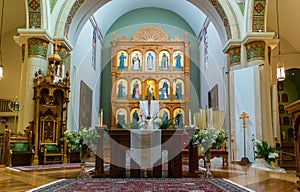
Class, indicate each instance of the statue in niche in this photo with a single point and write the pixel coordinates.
(165, 117)
(120, 119)
(150, 61)
(178, 91)
(178, 119)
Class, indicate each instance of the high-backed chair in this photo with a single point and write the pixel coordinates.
(20, 151)
(50, 146)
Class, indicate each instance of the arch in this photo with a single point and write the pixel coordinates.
(223, 14)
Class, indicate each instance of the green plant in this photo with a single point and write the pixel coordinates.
(166, 124)
(83, 138)
(269, 153)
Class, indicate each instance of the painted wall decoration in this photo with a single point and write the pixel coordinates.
(121, 117)
(34, 10)
(164, 113)
(284, 97)
(164, 89)
(258, 19)
(94, 46)
(37, 47)
(121, 89)
(150, 85)
(135, 115)
(178, 89)
(205, 45)
(255, 50)
(178, 116)
(136, 89)
(136, 61)
(85, 108)
(150, 61)
(164, 61)
(178, 61)
(122, 63)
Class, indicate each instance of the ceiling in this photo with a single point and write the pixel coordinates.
(15, 17)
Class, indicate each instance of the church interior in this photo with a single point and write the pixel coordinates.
(153, 91)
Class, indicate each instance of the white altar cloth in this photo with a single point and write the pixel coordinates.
(145, 147)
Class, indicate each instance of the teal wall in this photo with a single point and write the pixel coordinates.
(130, 23)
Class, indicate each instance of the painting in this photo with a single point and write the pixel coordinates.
(85, 108)
(135, 115)
(178, 61)
(213, 98)
(164, 89)
(164, 113)
(121, 118)
(136, 58)
(121, 89)
(136, 88)
(122, 61)
(150, 59)
(178, 116)
(150, 89)
(178, 88)
(164, 60)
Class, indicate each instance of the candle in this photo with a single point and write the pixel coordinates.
(101, 117)
(194, 119)
(210, 116)
(190, 117)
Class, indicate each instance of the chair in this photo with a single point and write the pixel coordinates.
(50, 153)
(20, 152)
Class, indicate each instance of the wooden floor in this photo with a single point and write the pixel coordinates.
(11, 180)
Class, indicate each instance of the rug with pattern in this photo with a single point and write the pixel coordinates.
(143, 185)
(52, 166)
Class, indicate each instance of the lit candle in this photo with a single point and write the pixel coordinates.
(101, 117)
(210, 116)
(194, 120)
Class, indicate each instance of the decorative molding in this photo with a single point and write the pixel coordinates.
(255, 50)
(73, 11)
(150, 33)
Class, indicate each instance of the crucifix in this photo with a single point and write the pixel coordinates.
(149, 93)
(245, 160)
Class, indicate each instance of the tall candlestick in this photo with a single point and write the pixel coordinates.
(101, 117)
(194, 120)
(210, 118)
(190, 117)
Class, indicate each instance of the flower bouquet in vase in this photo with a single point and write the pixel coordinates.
(85, 139)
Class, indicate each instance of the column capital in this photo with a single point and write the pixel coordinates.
(258, 36)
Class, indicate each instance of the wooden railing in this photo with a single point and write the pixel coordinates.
(4, 105)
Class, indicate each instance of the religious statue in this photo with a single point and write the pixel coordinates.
(150, 92)
(121, 119)
(122, 61)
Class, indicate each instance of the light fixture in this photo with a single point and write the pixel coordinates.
(1, 33)
(280, 64)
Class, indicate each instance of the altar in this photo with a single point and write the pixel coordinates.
(171, 140)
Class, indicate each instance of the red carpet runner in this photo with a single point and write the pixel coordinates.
(143, 185)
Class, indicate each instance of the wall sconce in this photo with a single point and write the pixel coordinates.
(1, 33)
(280, 64)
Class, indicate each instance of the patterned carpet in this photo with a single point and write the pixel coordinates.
(143, 185)
(52, 166)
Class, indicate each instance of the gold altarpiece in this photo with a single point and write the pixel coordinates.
(150, 59)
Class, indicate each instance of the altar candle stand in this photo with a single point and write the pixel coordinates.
(244, 160)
